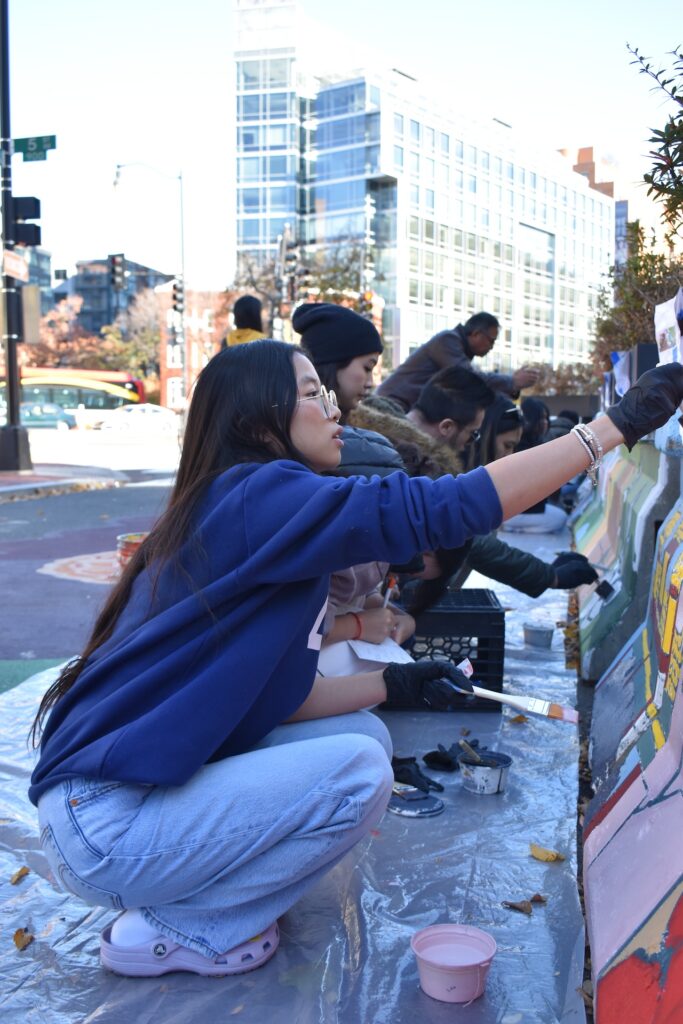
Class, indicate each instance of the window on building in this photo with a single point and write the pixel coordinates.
(248, 231)
(429, 200)
(248, 74)
(484, 160)
(430, 138)
(429, 263)
(414, 195)
(497, 166)
(414, 227)
(249, 108)
(276, 73)
(459, 149)
(414, 258)
(415, 165)
(249, 199)
(398, 157)
(429, 293)
(471, 183)
(429, 231)
(282, 198)
(413, 290)
(398, 125)
(249, 168)
(415, 131)
(444, 143)
(279, 105)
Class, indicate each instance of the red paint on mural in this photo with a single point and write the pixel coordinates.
(640, 991)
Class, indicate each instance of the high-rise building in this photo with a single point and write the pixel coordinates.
(451, 215)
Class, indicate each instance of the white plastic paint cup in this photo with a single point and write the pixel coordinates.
(537, 635)
(453, 961)
(487, 778)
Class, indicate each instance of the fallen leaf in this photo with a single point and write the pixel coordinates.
(22, 938)
(18, 875)
(540, 853)
(519, 719)
(588, 1000)
(524, 906)
(238, 1009)
(464, 731)
(537, 898)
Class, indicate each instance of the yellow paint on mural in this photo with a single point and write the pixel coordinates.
(647, 666)
(658, 735)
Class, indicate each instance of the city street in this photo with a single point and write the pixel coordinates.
(47, 613)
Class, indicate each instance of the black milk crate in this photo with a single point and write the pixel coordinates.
(466, 624)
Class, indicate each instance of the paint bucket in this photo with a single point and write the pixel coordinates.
(538, 635)
(126, 546)
(488, 777)
(453, 961)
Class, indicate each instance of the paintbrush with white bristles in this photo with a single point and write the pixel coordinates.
(534, 705)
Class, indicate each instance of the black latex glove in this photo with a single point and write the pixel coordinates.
(425, 684)
(652, 400)
(572, 570)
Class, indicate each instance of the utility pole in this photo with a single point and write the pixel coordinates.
(14, 447)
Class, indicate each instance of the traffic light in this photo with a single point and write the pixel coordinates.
(291, 257)
(365, 304)
(179, 295)
(303, 283)
(26, 208)
(117, 271)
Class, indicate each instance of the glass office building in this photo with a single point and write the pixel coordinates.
(455, 215)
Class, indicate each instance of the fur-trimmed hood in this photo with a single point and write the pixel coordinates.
(421, 454)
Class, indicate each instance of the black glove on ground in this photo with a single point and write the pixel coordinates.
(652, 400)
(408, 771)
(571, 570)
(425, 684)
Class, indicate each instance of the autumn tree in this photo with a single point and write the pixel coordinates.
(625, 313)
(63, 342)
(665, 180)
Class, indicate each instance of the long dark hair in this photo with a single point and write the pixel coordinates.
(500, 417)
(241, 412)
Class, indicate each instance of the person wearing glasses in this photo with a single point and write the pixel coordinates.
(454, 347)
(195, 774)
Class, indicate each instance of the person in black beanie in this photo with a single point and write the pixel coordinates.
(344, 348)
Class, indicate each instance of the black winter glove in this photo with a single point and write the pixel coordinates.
(652, 400)
(571, 570)
(425, 684)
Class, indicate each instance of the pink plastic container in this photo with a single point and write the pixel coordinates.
(453, 961)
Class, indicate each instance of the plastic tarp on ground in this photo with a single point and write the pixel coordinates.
(345, 953)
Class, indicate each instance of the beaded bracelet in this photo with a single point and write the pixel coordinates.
(359, 626)
(593, 448)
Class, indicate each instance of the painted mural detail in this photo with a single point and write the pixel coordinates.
(635, 917)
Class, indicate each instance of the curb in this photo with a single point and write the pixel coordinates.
(22, 492)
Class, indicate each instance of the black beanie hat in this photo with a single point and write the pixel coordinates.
(334, 334)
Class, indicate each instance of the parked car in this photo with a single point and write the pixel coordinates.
(45, 414)
(145, 417)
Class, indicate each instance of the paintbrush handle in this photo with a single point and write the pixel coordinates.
(514, 700)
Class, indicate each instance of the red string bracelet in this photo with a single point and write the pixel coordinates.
(359, 626)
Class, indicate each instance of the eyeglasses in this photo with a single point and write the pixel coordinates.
(327, 400)
(475, 436)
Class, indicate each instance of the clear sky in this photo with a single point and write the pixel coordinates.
(144, 82)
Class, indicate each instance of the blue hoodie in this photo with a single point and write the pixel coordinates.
(225, 647)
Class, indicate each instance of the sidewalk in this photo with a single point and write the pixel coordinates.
(49, 479)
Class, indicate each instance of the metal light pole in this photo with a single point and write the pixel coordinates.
(179, 178)
(14, 447)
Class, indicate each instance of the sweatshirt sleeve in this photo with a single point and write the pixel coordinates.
(506, 564)
(299, 524)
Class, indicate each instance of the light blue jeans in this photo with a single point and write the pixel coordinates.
(215, 861)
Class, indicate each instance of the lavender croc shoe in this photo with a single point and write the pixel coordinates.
(162, 955)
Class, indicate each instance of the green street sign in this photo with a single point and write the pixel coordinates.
(36, 147)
